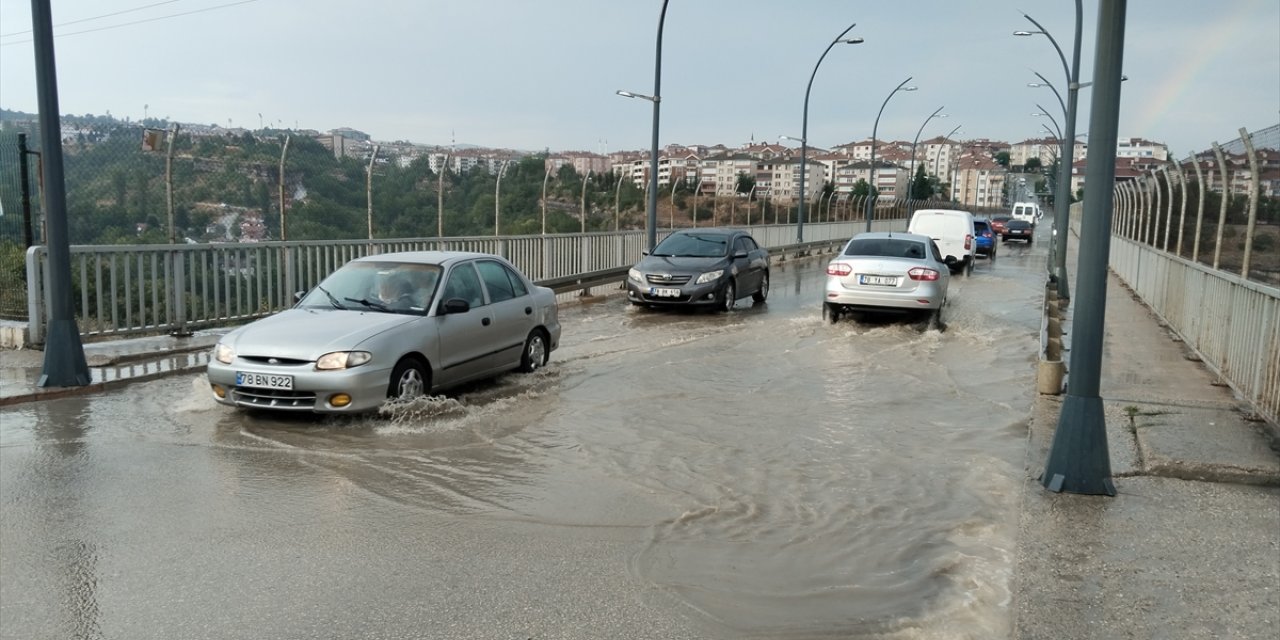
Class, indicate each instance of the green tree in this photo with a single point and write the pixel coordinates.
(921, 187)
(1002, 159)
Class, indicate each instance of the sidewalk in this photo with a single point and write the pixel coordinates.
(1190, 545)
(111, 363)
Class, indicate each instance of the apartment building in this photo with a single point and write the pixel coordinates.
(1140, 148)
(979, 181)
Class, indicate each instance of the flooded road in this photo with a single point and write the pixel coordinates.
(756, 474)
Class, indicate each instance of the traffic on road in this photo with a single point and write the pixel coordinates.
(674, 473)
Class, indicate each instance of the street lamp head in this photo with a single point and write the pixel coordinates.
(852, 41)
(800, 140)
(630, 94)
(908, 88)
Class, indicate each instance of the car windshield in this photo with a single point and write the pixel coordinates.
(1019, 224)
(388, 287)
(693, 245)
(980, 227)
(886, 248)
(1001, 219)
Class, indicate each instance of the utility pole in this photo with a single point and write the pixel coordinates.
(64, 363)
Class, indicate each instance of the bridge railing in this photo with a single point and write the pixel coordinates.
(133, 289)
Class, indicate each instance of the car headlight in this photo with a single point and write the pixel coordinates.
(224, 354)
(635, 276)
(343, 360)
(710, 276)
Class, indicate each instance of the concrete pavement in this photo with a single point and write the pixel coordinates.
(1188, 548)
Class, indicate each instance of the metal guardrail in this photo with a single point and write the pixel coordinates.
(1233, 324)
(133, 289)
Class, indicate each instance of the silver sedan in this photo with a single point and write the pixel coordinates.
(395, 325)
(887, 272)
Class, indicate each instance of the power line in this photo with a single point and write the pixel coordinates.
(105, 15)
(127, 24)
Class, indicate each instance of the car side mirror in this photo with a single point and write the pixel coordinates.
(644, 252)
(739, 255)
(456, 305)
(298, 295)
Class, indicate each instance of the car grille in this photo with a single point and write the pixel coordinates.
(275, 361)
(666, 279)
(273, 398)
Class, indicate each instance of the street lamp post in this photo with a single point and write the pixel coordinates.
(651, 223)
(545, 178)
(497, 199)
(911, 177)
(804, 125)
(871, 200)
(1062, 211)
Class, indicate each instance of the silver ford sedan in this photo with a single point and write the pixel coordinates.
(396, 325)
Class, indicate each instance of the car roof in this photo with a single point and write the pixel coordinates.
(1019, 223)
(900, 235)
(726, 231)
(442, 258)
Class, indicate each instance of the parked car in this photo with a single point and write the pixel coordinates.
(984, 238)
(396, 325)
(953, 230)
(1018, 230)
(887, 272)
(998, 223)
(709, 267)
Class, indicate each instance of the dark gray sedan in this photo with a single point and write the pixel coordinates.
(395, 325)
(701, 267)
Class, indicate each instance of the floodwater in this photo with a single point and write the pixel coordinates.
(756, 474)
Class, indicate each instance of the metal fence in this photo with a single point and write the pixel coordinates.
(1230, 320)
(132, 289)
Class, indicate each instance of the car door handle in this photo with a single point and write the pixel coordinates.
(484, 321)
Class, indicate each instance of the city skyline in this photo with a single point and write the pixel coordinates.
(541, 79)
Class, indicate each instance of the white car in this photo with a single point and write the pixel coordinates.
(1028, 211)
(396, 325)
(955, 233)
(887, 272)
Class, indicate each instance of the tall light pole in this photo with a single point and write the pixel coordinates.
(497, 198)
(871, 177)
(1078, 460)
(584, 200)
(64, 361)
(440, 197)
(804, 124)
(544, 198)
(911, 177)
(651, 224)
(1062, 210)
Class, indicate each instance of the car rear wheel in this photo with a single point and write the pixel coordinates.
(728, 296)
(409, 379)
(763, 293)
(535, 352)
(830, 312)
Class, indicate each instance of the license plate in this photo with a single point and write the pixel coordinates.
(263, 380)
(663, 292)
(879, 281)
(1016, 232)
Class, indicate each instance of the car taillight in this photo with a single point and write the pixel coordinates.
(839, 269)
(921, 273)
(968, 242)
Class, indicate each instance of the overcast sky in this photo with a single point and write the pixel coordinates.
(534, 74)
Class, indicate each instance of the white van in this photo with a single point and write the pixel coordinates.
(953, 232)
(1028, 211)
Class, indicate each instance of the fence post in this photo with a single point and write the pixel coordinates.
(1226, 199)
(27, 239)
(1254, 190)
(1182, 215)
(1200, 187)
(1155, 209)
(1168, 216)
(35, 294)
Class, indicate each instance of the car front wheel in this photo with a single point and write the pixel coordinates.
(728, 296)
(763, 293)
(409, 379)
(535, 352)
